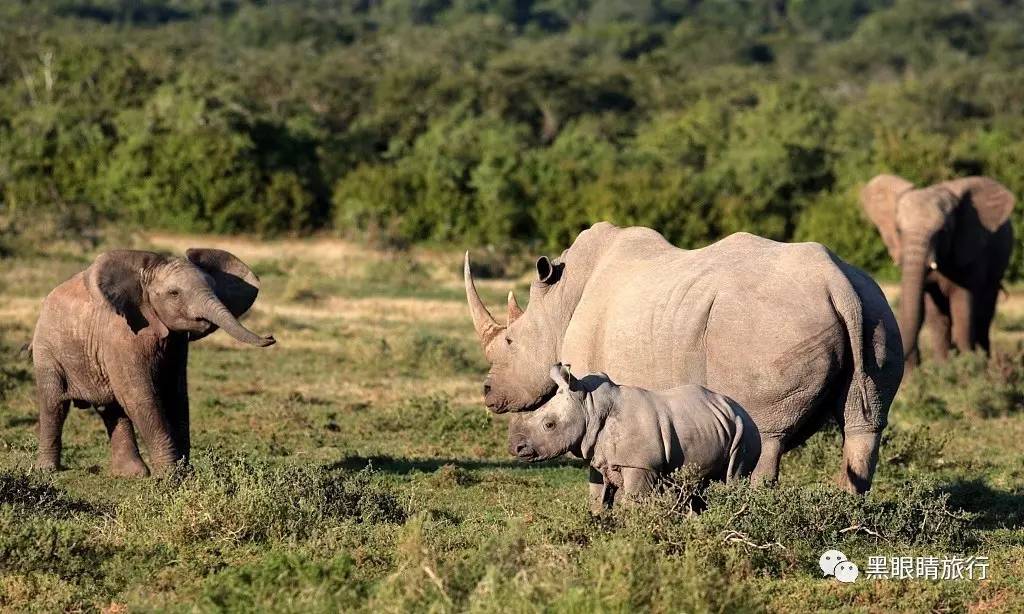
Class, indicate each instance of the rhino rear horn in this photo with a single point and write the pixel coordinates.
(514, 310)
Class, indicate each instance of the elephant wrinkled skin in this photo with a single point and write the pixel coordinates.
(952, 242)
(789, 331)
(116, 336)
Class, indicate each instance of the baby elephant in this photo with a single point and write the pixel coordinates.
(115, 337)
(631, 436)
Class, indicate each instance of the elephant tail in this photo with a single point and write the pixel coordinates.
(848, 306)
(26, 351)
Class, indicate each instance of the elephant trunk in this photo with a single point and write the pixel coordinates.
(912, 299)
(215, 312)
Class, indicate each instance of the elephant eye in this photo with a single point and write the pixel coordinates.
(549, 425)
(175, 293)
(508, 340)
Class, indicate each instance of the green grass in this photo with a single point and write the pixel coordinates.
(351, 467)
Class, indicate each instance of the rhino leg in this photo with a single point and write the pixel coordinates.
(597, 491)
(767, 469)
(637, 482)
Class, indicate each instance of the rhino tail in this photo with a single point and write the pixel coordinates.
(736, 451)
(848, 306)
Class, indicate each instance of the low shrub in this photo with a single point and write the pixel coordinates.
(420, 351)
(42, 544)
(286, 582)
(788, 526)
(240, 499)
(15, 369)
(967, 384)
(435, 418)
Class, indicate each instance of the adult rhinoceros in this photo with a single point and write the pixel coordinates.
(789, 330)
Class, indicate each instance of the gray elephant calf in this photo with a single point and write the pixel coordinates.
(115, 337)
(631, 435)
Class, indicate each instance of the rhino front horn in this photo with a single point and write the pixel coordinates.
(487, 328)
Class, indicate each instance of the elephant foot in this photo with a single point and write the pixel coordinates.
(179, 468)
(47, 465)
(129, 468)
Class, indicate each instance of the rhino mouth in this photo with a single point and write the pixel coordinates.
(533, 456)
(505, 406)
(525, 452)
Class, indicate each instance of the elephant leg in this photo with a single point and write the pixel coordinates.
(961, 313)
(860, 455)
(141, 396)
(53, 411)
(984, 313)
(145, 410)
(936, 310)
(125, 460)
(597, 488)
(767, 469)
(174, 395)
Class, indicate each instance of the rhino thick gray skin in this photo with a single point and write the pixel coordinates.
(632, 436)
(790, 331)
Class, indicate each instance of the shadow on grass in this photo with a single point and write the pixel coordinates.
(403, 466)
(995, 508)
(34, 494)
(21, 421)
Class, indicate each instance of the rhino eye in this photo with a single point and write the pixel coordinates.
(549, 425)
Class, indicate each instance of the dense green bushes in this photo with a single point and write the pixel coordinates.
(498, 123)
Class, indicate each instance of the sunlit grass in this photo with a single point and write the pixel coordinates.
(352, 467)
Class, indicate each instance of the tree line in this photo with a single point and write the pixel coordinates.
(505, 122)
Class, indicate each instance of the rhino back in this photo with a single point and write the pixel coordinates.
(748, 317)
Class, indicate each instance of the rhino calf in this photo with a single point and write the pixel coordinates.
(631, 436)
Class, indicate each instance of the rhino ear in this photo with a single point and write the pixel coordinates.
(561, 376)
(548, 272)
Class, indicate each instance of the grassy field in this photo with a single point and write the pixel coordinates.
(353, 467)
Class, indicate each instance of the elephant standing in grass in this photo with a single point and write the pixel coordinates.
(952, 242)
(790, 331)
(116, 336)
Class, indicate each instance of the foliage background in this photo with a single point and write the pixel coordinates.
(507, 122)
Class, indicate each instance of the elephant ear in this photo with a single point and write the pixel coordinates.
(115, 279)
(234, 282)
(878, 199)
(984, 207)
(990, 200)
